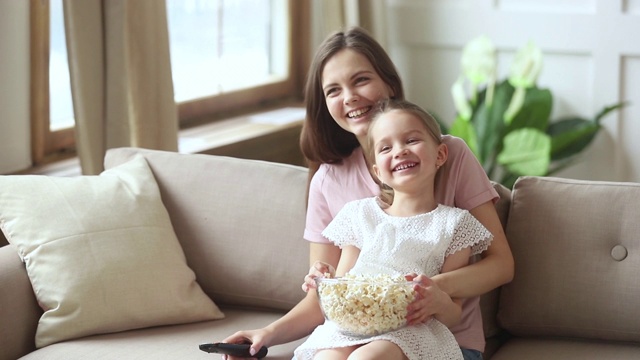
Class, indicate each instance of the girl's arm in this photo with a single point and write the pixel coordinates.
(494, 269)
(347, 259)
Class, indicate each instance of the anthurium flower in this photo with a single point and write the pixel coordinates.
(517, 100)
(460, 99)
(526, 66)
(478, 60)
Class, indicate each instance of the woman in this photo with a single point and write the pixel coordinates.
(349, 75)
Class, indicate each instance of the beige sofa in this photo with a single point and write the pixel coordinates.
(239, 222)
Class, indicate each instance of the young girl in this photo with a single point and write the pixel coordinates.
(349, 75)
(405, 233)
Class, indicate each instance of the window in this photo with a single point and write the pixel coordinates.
(52, 108)
(233, 54)
(228, 56)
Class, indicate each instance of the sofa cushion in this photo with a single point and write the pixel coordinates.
(565, 349)
(100, 253)
(240, 223)
(176, 342)
(576, 246)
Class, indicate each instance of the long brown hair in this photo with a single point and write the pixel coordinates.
(322, 140)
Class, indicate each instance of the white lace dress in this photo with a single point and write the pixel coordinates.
(397, 246)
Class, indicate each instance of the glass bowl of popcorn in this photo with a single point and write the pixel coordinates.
(365, 305)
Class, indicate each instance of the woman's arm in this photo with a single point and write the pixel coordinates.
(302, 319)
(291, 326)
(494, 269)
(324, 259)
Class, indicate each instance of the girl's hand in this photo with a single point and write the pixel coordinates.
(428, 302)
(319, 269)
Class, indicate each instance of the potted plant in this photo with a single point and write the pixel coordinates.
(507, 123)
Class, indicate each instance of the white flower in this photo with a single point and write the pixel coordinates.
(478, 60)
(460, 99)
(517, 100)
(526, 66)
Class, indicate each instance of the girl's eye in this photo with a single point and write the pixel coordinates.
(412, 141)
(384, 149)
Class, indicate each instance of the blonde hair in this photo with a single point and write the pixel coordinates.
(386, 106)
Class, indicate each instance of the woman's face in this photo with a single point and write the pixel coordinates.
(351, 88)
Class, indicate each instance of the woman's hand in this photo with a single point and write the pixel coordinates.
(429, 300)
(258, 338)
(319, 269)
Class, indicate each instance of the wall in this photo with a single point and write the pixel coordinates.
(591, 59)
(14, 88)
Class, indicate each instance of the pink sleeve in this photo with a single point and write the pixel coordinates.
(318, 212)
(462, 182)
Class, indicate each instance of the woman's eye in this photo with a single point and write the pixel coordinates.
(361, 79)
(330, 92)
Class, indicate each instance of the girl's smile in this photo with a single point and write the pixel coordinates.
(406, 155)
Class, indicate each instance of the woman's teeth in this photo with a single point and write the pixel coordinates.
(359, 112)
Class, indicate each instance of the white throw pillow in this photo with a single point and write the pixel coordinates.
(100, 252)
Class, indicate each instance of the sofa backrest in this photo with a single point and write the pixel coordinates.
(577, 260)
(240, 223)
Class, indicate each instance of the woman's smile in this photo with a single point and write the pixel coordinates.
(352, 88)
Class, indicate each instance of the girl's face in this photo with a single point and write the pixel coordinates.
(351, 88)
(407, 156)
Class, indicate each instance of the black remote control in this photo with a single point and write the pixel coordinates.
(238, 350)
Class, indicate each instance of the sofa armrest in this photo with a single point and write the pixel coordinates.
(19, 310)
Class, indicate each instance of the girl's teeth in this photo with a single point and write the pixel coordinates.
(404, 166)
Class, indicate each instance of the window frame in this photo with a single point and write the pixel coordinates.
(48, 146)
(233, 103)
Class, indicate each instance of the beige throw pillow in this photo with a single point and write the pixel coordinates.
(100, 252)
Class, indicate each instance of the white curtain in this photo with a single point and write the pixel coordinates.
(120, 77)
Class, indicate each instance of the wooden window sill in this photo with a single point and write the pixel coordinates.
(270, 136)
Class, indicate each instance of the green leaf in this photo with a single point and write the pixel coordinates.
(609, 109)
(464, 130)
(526, 152)
(444, 129)
(571, 136)
(535, 111)
(509, 179)
(488, 122)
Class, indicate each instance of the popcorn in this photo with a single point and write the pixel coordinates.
(365, 306)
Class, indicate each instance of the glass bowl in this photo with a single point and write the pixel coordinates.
(365, 306)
